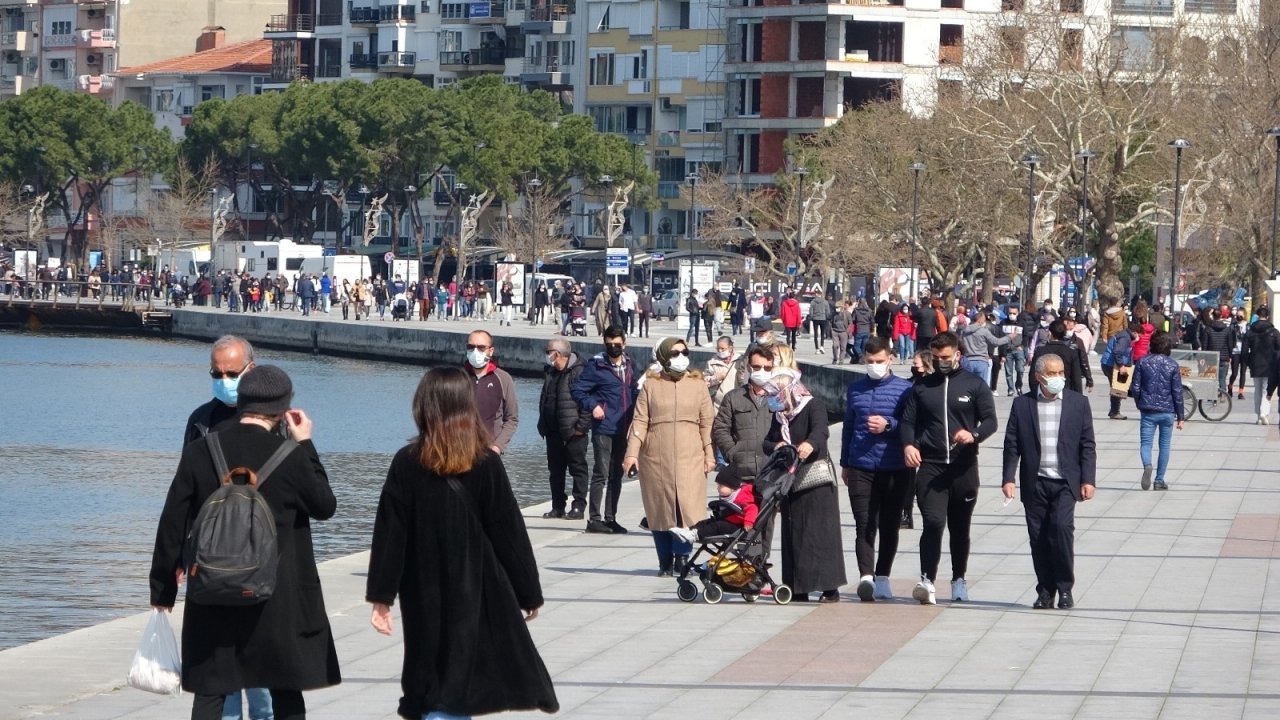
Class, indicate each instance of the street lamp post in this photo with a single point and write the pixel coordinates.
(410, 199)
(1178, 146)
(535, 222)
(916, 168)
(691, 229)
(631, 201)
(1031, 160)
(1084, 155)
(801, 173)
(1133, 282)
(1275, 200)
(248, 182)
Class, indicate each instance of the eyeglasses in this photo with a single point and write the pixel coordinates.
(758, 368)
(617, 345)
(684, 352)
(477, 347)
(229, 374)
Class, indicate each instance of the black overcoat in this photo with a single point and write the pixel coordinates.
(463, 572)
(285, 642)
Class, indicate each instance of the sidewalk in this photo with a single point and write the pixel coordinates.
(1175, 617)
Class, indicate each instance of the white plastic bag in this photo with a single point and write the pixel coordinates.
(157, 666)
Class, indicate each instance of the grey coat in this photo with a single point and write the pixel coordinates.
(739, 431)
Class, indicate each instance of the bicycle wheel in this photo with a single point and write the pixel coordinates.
(1216, 408)
(1188, 404)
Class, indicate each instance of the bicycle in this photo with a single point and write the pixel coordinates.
(1213, 409)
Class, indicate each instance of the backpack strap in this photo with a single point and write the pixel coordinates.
(219, 458)
(274, 461)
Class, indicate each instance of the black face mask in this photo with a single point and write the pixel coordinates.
(614, 351)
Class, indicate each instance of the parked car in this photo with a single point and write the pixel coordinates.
(667, 304)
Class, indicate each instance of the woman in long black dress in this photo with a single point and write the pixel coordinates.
(449, 540)
(812, 549)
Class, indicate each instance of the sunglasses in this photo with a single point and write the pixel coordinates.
(684, 352)
(481, 348)
(229, 374)
(617, 345)
(758, 368)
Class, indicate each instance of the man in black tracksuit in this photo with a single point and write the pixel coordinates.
(943, 420)
(1076, 364)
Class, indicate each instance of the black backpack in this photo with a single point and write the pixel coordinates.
(230, 554)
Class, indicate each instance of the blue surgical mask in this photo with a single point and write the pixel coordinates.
(776, 403)
(1055, 385)
(226, 390)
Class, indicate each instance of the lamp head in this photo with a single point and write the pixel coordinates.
(1086, 155)
(917, 167)
(1274, 132)
(801, 171)
(1179, 144)
(1031, 159)
(691, 178)
(534, 183)
(460, 186)
(411, 188)
(605, 179)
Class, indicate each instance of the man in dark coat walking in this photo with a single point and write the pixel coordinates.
(1049, 442)
(564, 425)
(1075, 366)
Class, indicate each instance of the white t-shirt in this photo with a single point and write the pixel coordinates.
(627, 300)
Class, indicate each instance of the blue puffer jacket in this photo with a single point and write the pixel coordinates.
(599, 385)
(1157, 385)
(862, 449)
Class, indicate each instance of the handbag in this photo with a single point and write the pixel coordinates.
(813, 475)
(1121, 380)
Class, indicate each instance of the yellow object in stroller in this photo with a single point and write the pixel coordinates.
(731, 573)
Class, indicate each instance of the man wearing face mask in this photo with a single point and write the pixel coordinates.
(743, 421)
(722, 371)
(495, 391)
(230, 358)
(873, 467)
(944, 419)
(607, 390)
(564, 425)
(1049, 442)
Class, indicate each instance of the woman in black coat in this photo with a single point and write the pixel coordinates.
(812, 549)
(283, 643)
(449, 540)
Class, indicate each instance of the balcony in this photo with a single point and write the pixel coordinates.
(544, 72)
(96, 38)
(63, 40)
(364, 16)
(1158, 8)
(951, 55)
(397, 61)
(18, 41)
(290, 73)
(95, 84)
(14, 84)
(483, 60)
(329, 70)
(487, 13)
(1214, 7)
(669, 189)
(395, 14)
(363, 61)
(553, 20)
(329, 20)
(290, 27)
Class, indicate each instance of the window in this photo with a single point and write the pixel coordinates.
(209, 92)
(749, 44)
(601, 71)
(604, 20)
(640, 66)
(748, 97)
(451, 41)
(164, 101)
(453, 11)
(747, 146)
(60, 27)
(256, 81)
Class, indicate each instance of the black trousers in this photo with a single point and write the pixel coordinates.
(876, 498)
(568, 456)
(820, 330)
(285, 704)
(642, 324)
(947, 495)
(1050, 508)
(791, 336)
(606, 474)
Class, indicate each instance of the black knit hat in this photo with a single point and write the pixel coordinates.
(264, 390)
(728, 478)
(761, 324)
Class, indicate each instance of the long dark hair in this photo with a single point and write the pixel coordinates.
(451, 434)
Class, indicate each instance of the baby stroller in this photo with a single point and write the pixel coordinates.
(400, 307)
(735, 563)
(578, 320)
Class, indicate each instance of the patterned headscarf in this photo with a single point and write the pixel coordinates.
(786, 383)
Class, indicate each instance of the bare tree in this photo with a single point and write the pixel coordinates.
(535, 228)
(178, 217)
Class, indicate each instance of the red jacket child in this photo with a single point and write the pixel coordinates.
(790, 313)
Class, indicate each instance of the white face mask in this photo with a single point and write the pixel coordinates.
(477, 358)
(724, 354)
(551, 358)
(877, 371)
(679, 363)
(1055, 385)
(760, 377)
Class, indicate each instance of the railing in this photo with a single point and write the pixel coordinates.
(364, 16)
(329, 70)
(328, 19)
(291, 74)
(541, 65)
(489, 56)
(397, 59)
(669, 189)
(128, 297)
(1163, 8)
(549, 14)
(291, 23)
(62, 40)
(486, 10)
(363, 60)
(1217, 7)
(395, 13)
(666, 242)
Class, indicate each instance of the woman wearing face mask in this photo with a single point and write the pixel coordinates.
(904, 332)
(670, 444)
(1238, 332)
(812, 552)
(723, 371)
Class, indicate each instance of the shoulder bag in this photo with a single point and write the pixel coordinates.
(813, 475)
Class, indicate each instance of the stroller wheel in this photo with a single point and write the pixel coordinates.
(687, 591)
(782, 594)
(750, 597)
(712, 594)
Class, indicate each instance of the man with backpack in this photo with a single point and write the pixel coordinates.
(241, 627)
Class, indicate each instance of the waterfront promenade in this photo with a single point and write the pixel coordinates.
(1176, 617)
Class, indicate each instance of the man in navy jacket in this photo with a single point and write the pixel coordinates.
(873, 467)
(1050, 431)
(607, 390)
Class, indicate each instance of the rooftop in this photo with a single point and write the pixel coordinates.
(249, 57)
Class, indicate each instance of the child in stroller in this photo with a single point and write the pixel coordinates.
(732, 538)
(578, 319)
(400, 307)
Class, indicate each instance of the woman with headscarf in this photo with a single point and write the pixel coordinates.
(600, 308)
(812, 551)
(670, 444)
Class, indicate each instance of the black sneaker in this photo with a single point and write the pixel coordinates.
(1146, 476)
(615, 528)
(553, 514)
(1065, 601)
(574, 514)
(599, 527)
(1160, 485)
(1044, 600)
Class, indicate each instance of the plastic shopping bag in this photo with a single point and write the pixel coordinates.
(157, 666)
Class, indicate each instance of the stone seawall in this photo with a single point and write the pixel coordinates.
(520, 349)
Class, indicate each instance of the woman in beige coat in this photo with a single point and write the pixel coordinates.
(670, 443)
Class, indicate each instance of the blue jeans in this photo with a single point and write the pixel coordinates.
(1151, 421)
(442, 715)
(906, 348)
(259, 705)
(977, 366)
(1224, 368)
(1014, 363)
(859, 344)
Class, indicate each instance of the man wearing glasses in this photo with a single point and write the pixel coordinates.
(230, 358)
(607, 390)
(495, 391)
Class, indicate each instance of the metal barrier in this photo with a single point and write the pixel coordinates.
(127, 297)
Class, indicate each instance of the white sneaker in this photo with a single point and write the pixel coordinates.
(882, 589)
(959, 590)
(924, 593)
(1262, 419)
(866, 589)
(685, 535)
